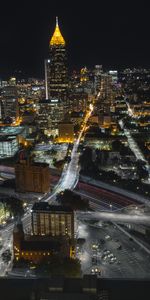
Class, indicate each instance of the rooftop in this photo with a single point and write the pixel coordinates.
(7, 138)
(36, 245)
(33, 164)
(10, 130)
(57, 38)
(44, 206)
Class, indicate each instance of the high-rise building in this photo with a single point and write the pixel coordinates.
(56, 67)
(51, 110)
(50, 113)
(8, 146)
(114, 75)
(97, 78)
(9, 104)
(52, 220)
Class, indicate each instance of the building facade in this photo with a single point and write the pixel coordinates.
(56, 67)
(32, 177)
(52, 220)
(50, 113)
(66, 132)
(8, 146)
(9, 104)
(56, 82)
(36, 249)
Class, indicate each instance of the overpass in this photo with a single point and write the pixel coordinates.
(115, 217)
(114, 189)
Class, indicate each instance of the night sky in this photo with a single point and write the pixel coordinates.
(112, 33)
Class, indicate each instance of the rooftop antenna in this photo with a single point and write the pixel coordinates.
(56, 21)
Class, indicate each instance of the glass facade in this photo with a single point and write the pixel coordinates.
(8, 147)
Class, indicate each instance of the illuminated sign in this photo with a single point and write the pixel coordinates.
(54, 100)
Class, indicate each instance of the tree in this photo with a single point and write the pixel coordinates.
(58, 163)
(70, 199)
(116, 145)
(87, 165)
(13, 205)
(141, 169)
(76, 128)
(16, 206)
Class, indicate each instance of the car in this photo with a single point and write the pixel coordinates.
(107, 252)
(107, 237)
(94, 246)
(102, 241)
(94, 260)
(6, 253)
(119, 247)
(96, 270)
(113, 258)
(105, 257)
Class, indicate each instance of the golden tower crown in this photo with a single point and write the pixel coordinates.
(57, 38)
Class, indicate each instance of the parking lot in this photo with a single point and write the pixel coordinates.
(107, 252)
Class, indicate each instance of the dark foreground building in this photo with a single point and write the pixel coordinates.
(86, 288)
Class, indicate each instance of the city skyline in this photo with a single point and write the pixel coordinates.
(113, 35)
(74, 150)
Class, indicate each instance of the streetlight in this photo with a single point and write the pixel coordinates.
(110, 205)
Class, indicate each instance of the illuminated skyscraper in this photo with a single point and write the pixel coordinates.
(56, 67)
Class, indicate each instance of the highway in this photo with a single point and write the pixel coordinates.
(70, 174)
(68, 180)
(88, 184)
(117, 217)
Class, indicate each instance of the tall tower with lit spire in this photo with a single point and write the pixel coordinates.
(56, 67)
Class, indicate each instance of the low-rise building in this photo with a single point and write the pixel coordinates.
(35, 249)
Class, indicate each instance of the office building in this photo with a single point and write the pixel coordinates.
(9, 104)
(97, 78)
(106, 86)
(8, 146)
(36, 249)
(66, 132)
(78, 100)
(50, 113)
(32, 177)
(52, 220)
(114, 75)
(56, 67)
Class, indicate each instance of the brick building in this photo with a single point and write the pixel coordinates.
(32, 177)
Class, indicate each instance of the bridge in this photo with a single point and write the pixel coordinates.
(143, 219)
